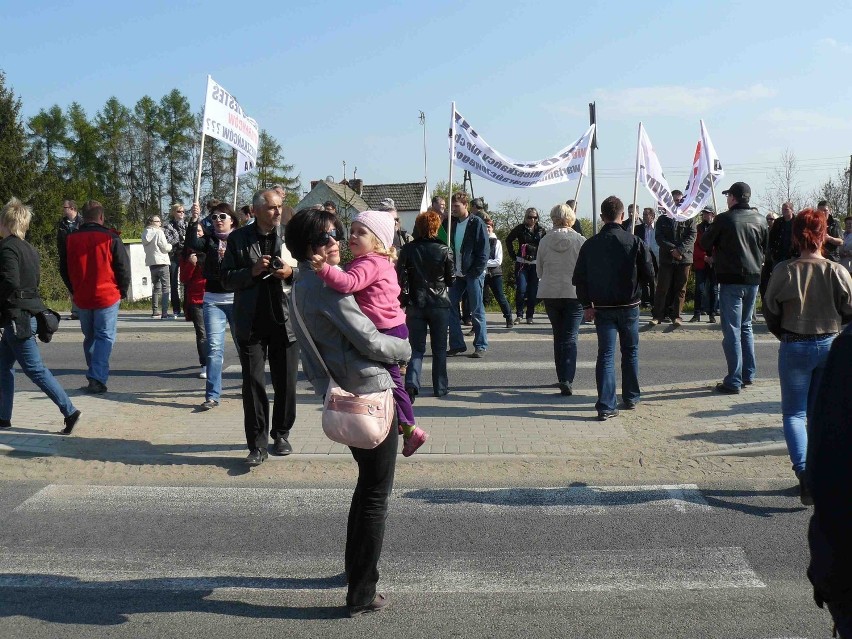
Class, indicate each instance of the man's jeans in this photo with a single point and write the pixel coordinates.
(620, 324)
(800, 367)
(705, 291)
(216, 318)
(436, 319)
(160, 288)
(565, 317)
(526, 289)
(472, 286)
(28, 356)
(98, 326)
(736, 303)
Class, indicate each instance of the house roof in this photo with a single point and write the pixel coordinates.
(407, 196)
(348, 195)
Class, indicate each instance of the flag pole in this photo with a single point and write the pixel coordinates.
(594, 120)
(201, 155)
(636, 176)
(709, 166)
(450, 184)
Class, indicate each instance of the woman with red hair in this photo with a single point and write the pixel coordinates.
(807, 300)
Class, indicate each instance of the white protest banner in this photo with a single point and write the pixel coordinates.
(244, 164)
(225, 120)
(469, 151)
(650, 173)
(706, 170)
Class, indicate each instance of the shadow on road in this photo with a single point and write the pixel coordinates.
(110, 603)
(756, 434)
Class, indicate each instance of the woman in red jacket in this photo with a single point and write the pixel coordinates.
(192, 277)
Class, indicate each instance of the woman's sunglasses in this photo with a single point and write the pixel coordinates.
(219, 217)
(325, 238)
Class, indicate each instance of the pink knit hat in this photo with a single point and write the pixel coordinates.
(381, 223)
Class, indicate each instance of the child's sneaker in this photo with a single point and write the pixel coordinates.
(411, 444)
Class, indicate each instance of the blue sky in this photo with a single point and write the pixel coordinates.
(342, 81)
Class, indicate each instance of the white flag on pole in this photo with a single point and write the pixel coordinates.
(651, 174)
(244, 164)
(706, 169)
(474, 154)
(225, 120)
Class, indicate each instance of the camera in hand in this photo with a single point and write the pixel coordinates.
(276, 263)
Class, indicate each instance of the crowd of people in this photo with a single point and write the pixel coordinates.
(367, 321)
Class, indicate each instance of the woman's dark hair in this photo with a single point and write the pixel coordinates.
(224, 207)
(305, 228)
(809, 229)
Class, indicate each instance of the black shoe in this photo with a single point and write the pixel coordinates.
(5, 423)
(478, 353)
(281, 447)
(518, 319)
(565, 389)
(412, 393)
(726, 390)
(804, 492)
(694, 318)
(530, 320)
(510, 323)
(711, 319)
(628, 405)
(748, 382)
(379, 603)
(607, 414)
(71, 422)
(455, 351)
(208, 404)
(94, 388)
(257, 457)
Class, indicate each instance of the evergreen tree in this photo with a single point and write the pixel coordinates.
(48, 137)
(146, 166)
(176, 129)
(17, 170)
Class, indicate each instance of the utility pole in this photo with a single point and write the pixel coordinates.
(425, 171)
(849, 189)
(594, 145)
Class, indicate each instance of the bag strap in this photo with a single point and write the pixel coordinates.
(307, 334)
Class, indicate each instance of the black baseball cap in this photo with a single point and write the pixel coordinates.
(739, 190)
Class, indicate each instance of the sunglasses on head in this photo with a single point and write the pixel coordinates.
(325, 238)
(219, 217)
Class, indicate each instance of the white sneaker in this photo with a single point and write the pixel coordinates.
(203, 373)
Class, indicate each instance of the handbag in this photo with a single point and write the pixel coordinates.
(359, 421)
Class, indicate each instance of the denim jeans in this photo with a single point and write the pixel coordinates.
(526, 289)
(216, 318)
(736, 303)
(472, 287)
(800, 367)
(565, 316)
(160, 288)
(98, 326)
(436, 320)
(28, 356)
(705, 291)
(621, 324)
(175, 285)
(495, 283)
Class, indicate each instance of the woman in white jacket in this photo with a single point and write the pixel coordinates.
(555, 262)
(157, 259)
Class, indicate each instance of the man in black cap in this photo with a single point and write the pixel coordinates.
(738, 239)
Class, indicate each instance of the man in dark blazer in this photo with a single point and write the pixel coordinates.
(677, 243)
(646, 232)
(256, 269)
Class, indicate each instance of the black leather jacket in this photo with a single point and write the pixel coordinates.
(739, 239)
(425, 270)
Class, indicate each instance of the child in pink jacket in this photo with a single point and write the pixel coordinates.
(371, 278)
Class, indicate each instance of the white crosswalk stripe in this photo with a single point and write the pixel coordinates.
(559, 570)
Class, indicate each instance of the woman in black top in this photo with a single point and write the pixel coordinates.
(425, 271)
(19, 304)
(218, 306)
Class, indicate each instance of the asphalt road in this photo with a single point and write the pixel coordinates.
(152, 355)
(575, 561)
